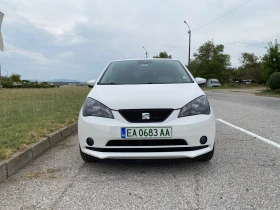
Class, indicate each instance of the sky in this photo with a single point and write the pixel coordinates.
(76, 39)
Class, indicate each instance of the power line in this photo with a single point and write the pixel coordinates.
(206, 24)
(240, 5)
(178, 38)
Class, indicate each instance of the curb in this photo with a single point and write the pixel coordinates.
(19, 160)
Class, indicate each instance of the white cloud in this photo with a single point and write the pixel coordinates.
(55, 17)
(65, 54)
(37, 58)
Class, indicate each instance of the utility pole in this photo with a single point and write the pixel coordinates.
(146, 52)
(189, 32)
(1, 42)
(0, 76)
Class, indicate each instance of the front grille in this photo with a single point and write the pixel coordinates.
(148, 142)
(162, 149)
(135, 115)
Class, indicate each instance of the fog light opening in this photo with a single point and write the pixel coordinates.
(90, 141)
(203, 140)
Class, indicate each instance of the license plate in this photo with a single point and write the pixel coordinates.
(146, 133)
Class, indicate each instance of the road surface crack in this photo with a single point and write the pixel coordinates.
(58, 200)
(70, 185)
(196, 191)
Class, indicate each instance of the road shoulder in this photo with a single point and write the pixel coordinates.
(20, 159)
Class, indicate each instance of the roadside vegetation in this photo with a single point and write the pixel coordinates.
(28, 114)
(273, 93)
(210, 61)
(14, 81)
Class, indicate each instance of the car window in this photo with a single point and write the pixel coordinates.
(145, 72)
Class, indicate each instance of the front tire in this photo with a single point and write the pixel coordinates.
(88, 158)
(207, 156)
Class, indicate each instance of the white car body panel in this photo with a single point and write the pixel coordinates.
(189, 128)
(145, 95)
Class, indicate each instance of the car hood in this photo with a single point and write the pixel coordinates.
(146, 96)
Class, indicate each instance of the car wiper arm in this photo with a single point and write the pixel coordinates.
(108, 83)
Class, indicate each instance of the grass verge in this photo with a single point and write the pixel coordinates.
(235, 86)
(273, 93)
(28, 114)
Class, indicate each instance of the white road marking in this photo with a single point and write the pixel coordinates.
(251, 134)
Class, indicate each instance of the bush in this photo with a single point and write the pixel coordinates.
(7, 84)
(274, 81)
(10, 84)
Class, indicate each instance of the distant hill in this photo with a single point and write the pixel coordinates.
(63, 80)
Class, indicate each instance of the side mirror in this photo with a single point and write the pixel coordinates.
(200, 80)
(91, 83)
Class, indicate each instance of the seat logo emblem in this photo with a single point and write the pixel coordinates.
(145, 116)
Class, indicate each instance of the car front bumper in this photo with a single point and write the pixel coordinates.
(190, 129)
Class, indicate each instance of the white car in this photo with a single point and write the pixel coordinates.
(146, 109)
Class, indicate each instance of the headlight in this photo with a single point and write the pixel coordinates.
(93, 107)
(199, 105)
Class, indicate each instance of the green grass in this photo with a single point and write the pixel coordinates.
(274, 93)
(28, 114)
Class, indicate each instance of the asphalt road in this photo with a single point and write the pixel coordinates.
(244, 173)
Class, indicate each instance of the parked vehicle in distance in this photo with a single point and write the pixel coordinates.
(213, 83)
(246, 82)
(146, 109)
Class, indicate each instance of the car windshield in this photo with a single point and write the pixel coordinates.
(145, 72)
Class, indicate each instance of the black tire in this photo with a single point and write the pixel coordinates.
(207, 156)
(88, 158)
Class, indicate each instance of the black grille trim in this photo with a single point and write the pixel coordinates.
(135, 115)
(163, 149)
(147, 142)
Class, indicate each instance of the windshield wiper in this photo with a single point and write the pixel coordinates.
(108, 83)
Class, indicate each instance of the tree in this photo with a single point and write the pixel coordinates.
(15, 78)
(210, 62)
(248, 59)
(250, 67)
(163, 55)
(271, 60)
(232, 74)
